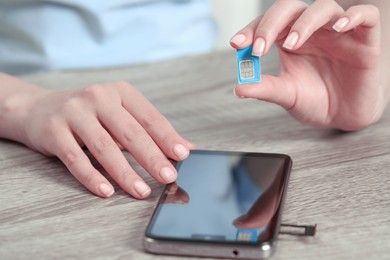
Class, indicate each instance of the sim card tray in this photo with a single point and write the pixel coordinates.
(298, 230)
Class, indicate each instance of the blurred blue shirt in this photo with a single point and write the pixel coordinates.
(38, 35)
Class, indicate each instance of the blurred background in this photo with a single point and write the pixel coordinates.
(99, 34)
(232, 15)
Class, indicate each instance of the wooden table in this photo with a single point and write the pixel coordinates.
(339, 180)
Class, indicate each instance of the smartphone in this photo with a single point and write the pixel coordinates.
(223, 204)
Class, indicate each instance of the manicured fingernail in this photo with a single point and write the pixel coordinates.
(106, 190)
(238, 39)
(240, 220)
(340, 24)
(291, 40)
(258, 47)
(181, 151)
(234, 92)
(141, 188)
(167, 174)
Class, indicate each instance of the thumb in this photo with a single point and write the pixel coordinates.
(274, 89)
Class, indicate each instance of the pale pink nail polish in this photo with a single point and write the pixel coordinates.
(238, 39)
(106, 190)
(180, 151)
(291, 40)
(167, 174)
(141, 188)
(258, 47)
(340, 24)
(234, 92)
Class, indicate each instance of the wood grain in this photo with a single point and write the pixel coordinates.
(339, 181)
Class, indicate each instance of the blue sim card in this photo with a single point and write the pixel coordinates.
(247, 235)
(248, 66)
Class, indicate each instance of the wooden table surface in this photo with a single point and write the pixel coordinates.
(339, 180)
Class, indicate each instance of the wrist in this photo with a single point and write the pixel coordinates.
(16, 100)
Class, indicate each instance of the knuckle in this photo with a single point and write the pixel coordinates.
(70, 106)
(333, 6)
(87, 179)
(151, 118)
(124, 85)
(262, 29)
(156, 158)
(372, 9)
(52, 133)
(304, 22)
(354, 9)
(304, 28)
(167, 139)
(155, 161)
(129, 138)
(132, 134)
(103, 144)
(94, 92)
(124, 175)
(70, 158)
(52, 128)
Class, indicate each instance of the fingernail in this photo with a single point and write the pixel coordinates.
(291, 40)
(234, 92)
(238, 39)
(258, 47)
(141, 188)
(240, 220)
(106, 190)
(340, 24)
(181, 151)
(167, 174)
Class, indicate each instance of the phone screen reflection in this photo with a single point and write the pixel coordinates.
(222, 197)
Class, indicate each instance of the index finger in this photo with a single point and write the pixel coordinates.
(263, 31)
(155, 124)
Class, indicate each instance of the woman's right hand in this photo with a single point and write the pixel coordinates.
(104, 118)
(332, 74)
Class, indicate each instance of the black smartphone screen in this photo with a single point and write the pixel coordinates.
(223, 197)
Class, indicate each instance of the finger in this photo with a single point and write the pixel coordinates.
(138, 142)
(69, 152)
(176, 195)
(106, 151)
(274, 22)
(261, 211)
(172, 188)
(319, 14)
(121, 147)
(244, 37)
(156, 125)
(271, 89)
(364, 17)
(358, 15)
(259, 215)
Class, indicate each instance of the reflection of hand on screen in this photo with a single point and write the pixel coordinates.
(176, 195)
(261, 211)
(268, 174)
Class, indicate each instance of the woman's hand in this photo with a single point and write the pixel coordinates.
(104, 118)
(330, 62)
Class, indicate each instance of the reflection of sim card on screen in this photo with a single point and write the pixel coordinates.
(248, 66)
(247, 235)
